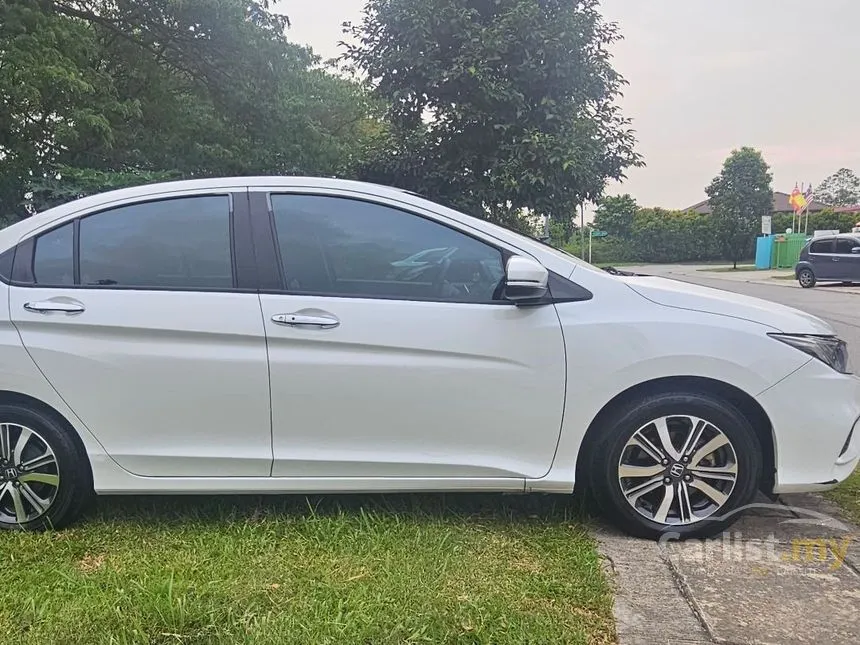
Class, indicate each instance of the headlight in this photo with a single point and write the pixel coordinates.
(828, 349)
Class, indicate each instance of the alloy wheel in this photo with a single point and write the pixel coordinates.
(29, 475)
(677, 470)
(805, 278)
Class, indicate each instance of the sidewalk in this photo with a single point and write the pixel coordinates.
(779, 575)
(770, 277)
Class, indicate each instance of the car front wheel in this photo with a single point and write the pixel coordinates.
(43, 479)
(682, 464)
(806, 278)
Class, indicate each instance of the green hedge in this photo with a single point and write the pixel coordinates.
(662, 236)
(825, 220)
(659, 236)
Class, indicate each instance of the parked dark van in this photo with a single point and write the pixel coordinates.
(829, 258)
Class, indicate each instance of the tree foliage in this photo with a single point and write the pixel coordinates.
(842, 188)
(739, 196)
(97, 93)
(495, 106)
(615, 214)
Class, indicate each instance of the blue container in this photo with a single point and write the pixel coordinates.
(763, 250)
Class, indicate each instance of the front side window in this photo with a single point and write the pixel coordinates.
(844, 245)
(174, 243)
(346, 247)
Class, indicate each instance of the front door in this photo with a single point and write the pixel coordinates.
(821, 258)
(392, 353)
(846, 261)
(135, 317)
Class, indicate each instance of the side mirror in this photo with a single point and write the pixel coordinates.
(856, 249)
(525, 280)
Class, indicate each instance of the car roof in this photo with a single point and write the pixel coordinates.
(558, 260)
(177, 187)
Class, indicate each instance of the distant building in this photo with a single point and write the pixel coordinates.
(847, 209)
(780, 205)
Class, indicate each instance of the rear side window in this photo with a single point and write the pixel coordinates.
(821, 246)
(182, 243)
(179, 243)
(54, 257)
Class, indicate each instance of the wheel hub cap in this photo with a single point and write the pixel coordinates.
(677, 470)
(29, 474)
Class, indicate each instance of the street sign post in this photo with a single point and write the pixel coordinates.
(766, 222)
(591, 237)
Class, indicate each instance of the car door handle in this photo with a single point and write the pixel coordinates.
(47, 306)
(305, 320)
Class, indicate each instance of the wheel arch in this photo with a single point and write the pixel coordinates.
(8, 397)
(744, 402)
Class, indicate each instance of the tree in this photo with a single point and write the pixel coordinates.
(739, 196)
(842, 188)
(105, 93)
(615, 215)
(495, 106)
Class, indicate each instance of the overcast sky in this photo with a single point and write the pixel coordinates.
(707, 76)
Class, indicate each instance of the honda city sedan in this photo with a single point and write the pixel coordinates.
(248, 335)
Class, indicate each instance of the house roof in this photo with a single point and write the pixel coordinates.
(780, 205)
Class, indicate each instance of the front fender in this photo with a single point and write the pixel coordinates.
(610, 353)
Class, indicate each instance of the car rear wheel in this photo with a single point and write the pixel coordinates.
(806, 278)
(680, 464)
(44, 481)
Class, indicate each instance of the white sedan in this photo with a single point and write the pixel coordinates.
(246, 335)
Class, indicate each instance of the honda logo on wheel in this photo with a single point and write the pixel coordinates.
(676, 470)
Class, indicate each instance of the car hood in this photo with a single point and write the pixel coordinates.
(683, 295)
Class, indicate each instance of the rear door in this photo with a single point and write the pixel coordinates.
(847, 262)
(389, 358)
(145, 319)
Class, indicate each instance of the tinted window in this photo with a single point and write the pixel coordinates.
(175, 243)
(53, 259)
(821, 246)
(346, 247)
(844, 245)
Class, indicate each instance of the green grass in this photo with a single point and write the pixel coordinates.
(847, 495)
(340, 570)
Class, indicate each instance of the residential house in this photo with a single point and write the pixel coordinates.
(780, 205)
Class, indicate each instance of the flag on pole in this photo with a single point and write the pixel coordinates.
(808, 195)
(797, 200)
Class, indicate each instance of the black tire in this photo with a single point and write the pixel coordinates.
(806, 278)
(622, 423)
(847, 283)
(75, 489)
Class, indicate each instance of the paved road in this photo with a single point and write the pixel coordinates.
(722, 591)
(831, 303)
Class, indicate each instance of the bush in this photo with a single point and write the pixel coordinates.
(604, 250)
(659, 235)
(825, 220)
